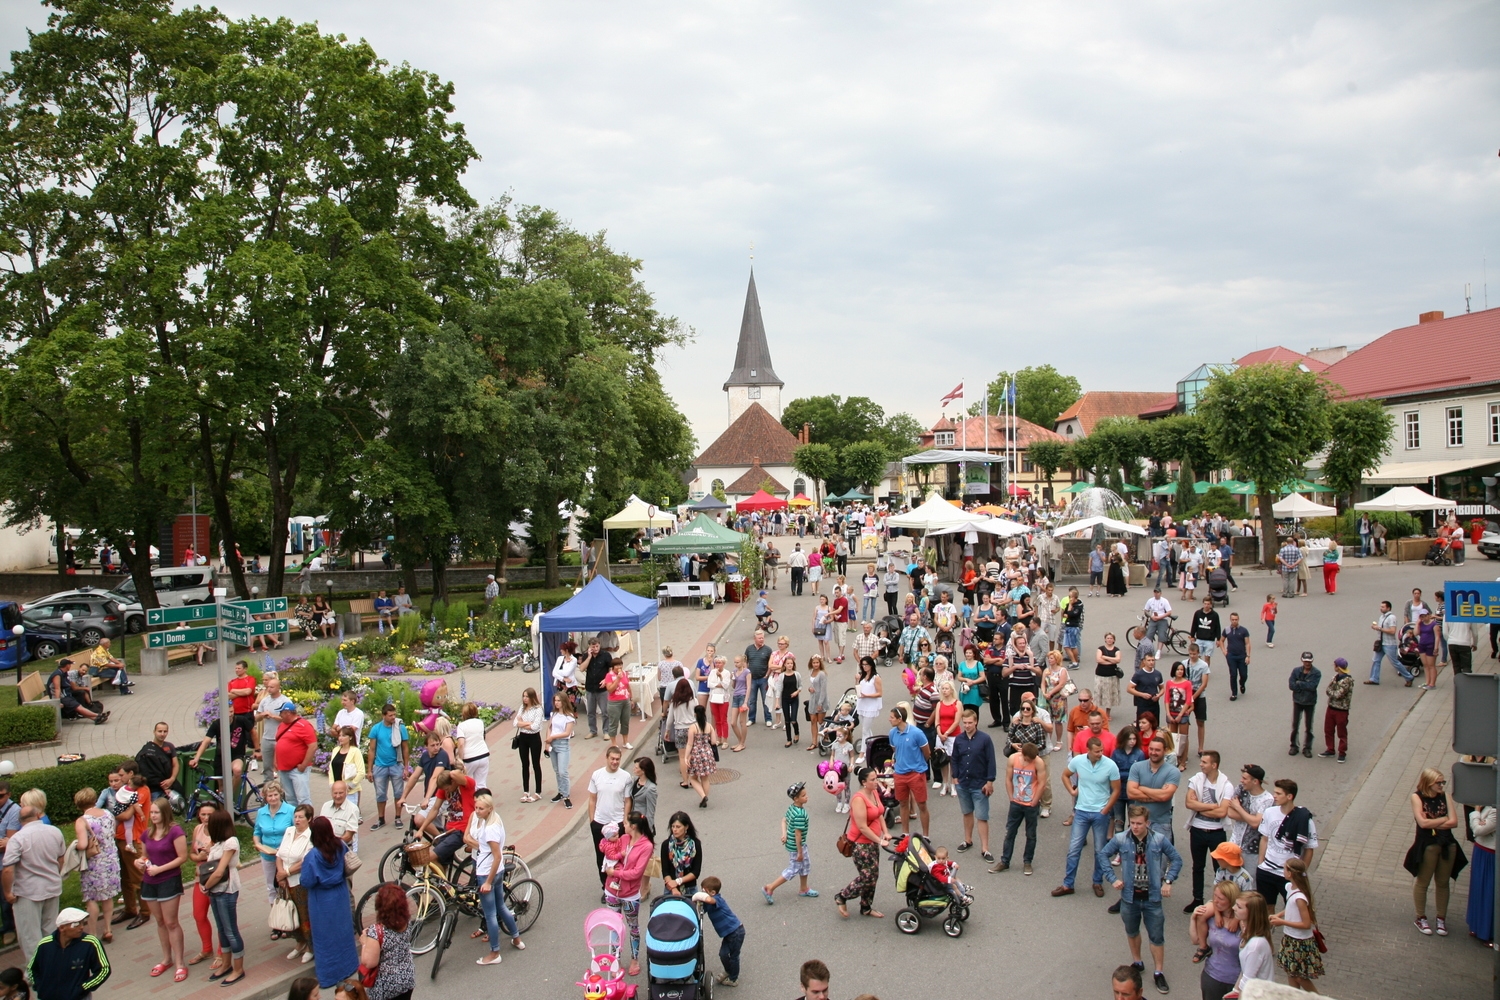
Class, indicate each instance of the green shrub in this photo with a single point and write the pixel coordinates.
(63, 781)
(321, 669)
(439, 611)
(10, 696)
(457, 615)
(1346, 526)
(408, 628)
(1218, 500)
(27, 724)
(396, 692)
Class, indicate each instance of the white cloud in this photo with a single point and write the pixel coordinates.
(938, 190)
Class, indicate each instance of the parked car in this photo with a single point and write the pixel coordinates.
(134, 615)
(35, 643)
(1489, 544)
(96, 614)
(175, 586)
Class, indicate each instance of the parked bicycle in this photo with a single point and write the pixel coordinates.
(247, 803)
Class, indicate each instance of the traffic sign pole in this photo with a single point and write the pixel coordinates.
(226, 755)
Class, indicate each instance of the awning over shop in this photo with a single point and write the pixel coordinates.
(1394, 473)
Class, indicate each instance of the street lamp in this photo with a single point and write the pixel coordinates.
(68, 629)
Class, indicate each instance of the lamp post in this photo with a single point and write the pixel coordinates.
(68, 629)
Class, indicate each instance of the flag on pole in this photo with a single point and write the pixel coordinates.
(1010, 392)
(957, 393)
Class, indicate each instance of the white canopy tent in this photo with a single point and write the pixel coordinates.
(937, 456)
(987, 526)
(1109, 523)
(1297, 505)
(935, 513)
(1406, 498)
(637, 514)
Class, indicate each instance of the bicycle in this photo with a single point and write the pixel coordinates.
(523, 898)
(1178, 639)
(247, 802)
(767, 624)
(395, 863)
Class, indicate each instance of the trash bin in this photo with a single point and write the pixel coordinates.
(1138, 574)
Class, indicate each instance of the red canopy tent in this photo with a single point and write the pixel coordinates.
(761, 501)
(1019, 491)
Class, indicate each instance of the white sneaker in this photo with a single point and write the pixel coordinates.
(770, 724)
(937, 784)
(1046, 812)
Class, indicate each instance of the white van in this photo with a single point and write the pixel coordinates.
(175, 586)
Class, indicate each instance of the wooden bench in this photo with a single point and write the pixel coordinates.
(32, 690)
(365, 608)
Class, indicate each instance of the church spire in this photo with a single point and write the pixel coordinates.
(752, 358)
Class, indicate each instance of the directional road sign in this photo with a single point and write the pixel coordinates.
(234, 614)
(273, 626)
(238, 634)
(188, 613)
(181, 637)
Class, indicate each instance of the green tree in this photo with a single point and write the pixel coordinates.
(1183, 439)
(1047, 457)
(1042, 393)
(835, 421)
(1266, 421)
(818, 462)
(863, 463)
(900, 434)
(1359, 435)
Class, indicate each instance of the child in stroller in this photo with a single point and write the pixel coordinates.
(928, 880)
(1218, 585)
(844, 717)
(1408, 648)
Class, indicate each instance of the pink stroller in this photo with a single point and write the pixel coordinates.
(604, 933)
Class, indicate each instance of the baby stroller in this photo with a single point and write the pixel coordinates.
(926, 894)
(604, 933)
(1218, 586)
(677, 967)
(666, 750)
(1440, 553)
(881, 757)
(843, 717)
(1408, 649)
(889, 629)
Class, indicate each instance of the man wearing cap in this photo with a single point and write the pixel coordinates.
(1158, 617)
(32, 876)
(491, 591)
(68, 964)
(1336, 715)
(296, 743)
(1304, 684)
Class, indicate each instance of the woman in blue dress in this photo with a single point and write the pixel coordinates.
(328, 909)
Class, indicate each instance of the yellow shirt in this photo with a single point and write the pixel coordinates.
(101, 657)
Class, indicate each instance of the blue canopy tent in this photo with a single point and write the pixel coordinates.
(598, 607)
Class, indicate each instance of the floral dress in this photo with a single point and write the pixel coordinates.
(101, 880)
(702, 763)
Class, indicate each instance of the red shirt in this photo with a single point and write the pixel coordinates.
(840, 609)
(292, 743)
(1081, 741)
(459, 813)
(242, 695)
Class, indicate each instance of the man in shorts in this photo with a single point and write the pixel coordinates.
(911, 754)
(1149, 865)
(974, 769)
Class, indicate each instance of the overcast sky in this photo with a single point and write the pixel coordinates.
(939, 190)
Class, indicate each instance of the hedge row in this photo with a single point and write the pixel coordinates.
(27, 724)
(62, 781)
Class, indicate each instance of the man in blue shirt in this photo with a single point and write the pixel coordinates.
(1153, 782)
(1149, 866)
(910, 755)
(1094, 782)
(973, 769)
(387, 764)
(1235, 644)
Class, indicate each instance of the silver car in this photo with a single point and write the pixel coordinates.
(96, 614)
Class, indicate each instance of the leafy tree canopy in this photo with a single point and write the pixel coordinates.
(1042, 393)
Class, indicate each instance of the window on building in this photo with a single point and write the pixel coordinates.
(1026, 464)
(1455, 426)
(1413, 430)
(1495, 423)
(943, 439)
(799, 485)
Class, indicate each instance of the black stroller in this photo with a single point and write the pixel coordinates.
(1440, 553)
(926, 894)
(889, 628)
(881, 757)
(666, 750)
(1218, 586)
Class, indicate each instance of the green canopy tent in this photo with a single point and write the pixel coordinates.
(1301, 486)
(1164, 490)
(855, 494)
(1077, 488)
(701, 534)
(1131, 488)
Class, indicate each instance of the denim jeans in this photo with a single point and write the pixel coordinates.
(595, 702)
(1239, 672)
(729, 952)
(225, 906)
(758, 697)
(1270, 631)
(1083, 822)
(1132, 912)
(561, 752)
(388, 782)
(1013, 820)
(1388, 650)
(867, 609)
(497, 913)
(297, 786)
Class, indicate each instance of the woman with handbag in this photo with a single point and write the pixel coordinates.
(99, 874)
(272, 821)
(386, 968)
(295, 844)
(862, 841)
(328, 908)
(1057, 687)
(526, 741)
(220, 877)
(947, 723)
(822, 626)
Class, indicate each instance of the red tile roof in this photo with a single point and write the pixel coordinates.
(753, 480)
(1163, 406)
(969, 433)
(756, 437)
(1093, 407)
(1438, 356)
(1284, 355)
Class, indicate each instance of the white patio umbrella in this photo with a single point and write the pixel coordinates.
(1297, 505)
(1109, 523)
(1406, 498)
(935, 513)
(987, 526)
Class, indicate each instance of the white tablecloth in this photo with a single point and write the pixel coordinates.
(642, 687)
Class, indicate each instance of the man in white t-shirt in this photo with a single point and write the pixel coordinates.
(268, 714)
(1286, 831)
(350, 714)
(1250, 801)
(609, 801)
(1208, 797)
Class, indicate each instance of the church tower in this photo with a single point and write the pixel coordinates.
(753, 380)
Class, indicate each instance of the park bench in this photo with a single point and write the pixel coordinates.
(32, 690)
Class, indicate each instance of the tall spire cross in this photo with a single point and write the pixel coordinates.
(752, 358)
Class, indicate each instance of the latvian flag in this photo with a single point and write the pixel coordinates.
(957, 393)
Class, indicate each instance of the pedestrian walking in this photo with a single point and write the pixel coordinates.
(1268, 618)
(1304, 683)
(1435, 854)
(794, 830)
(69, 963)
(1149, 864)
(702, 757)
(1234, 643)
(866, 834)
(1387, 636)
(1333, 561)
(32, 876)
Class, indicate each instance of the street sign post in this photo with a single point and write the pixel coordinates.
(186, 613)
(237, 634)
(234, 614)
(181, 637)
(1476, 733)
